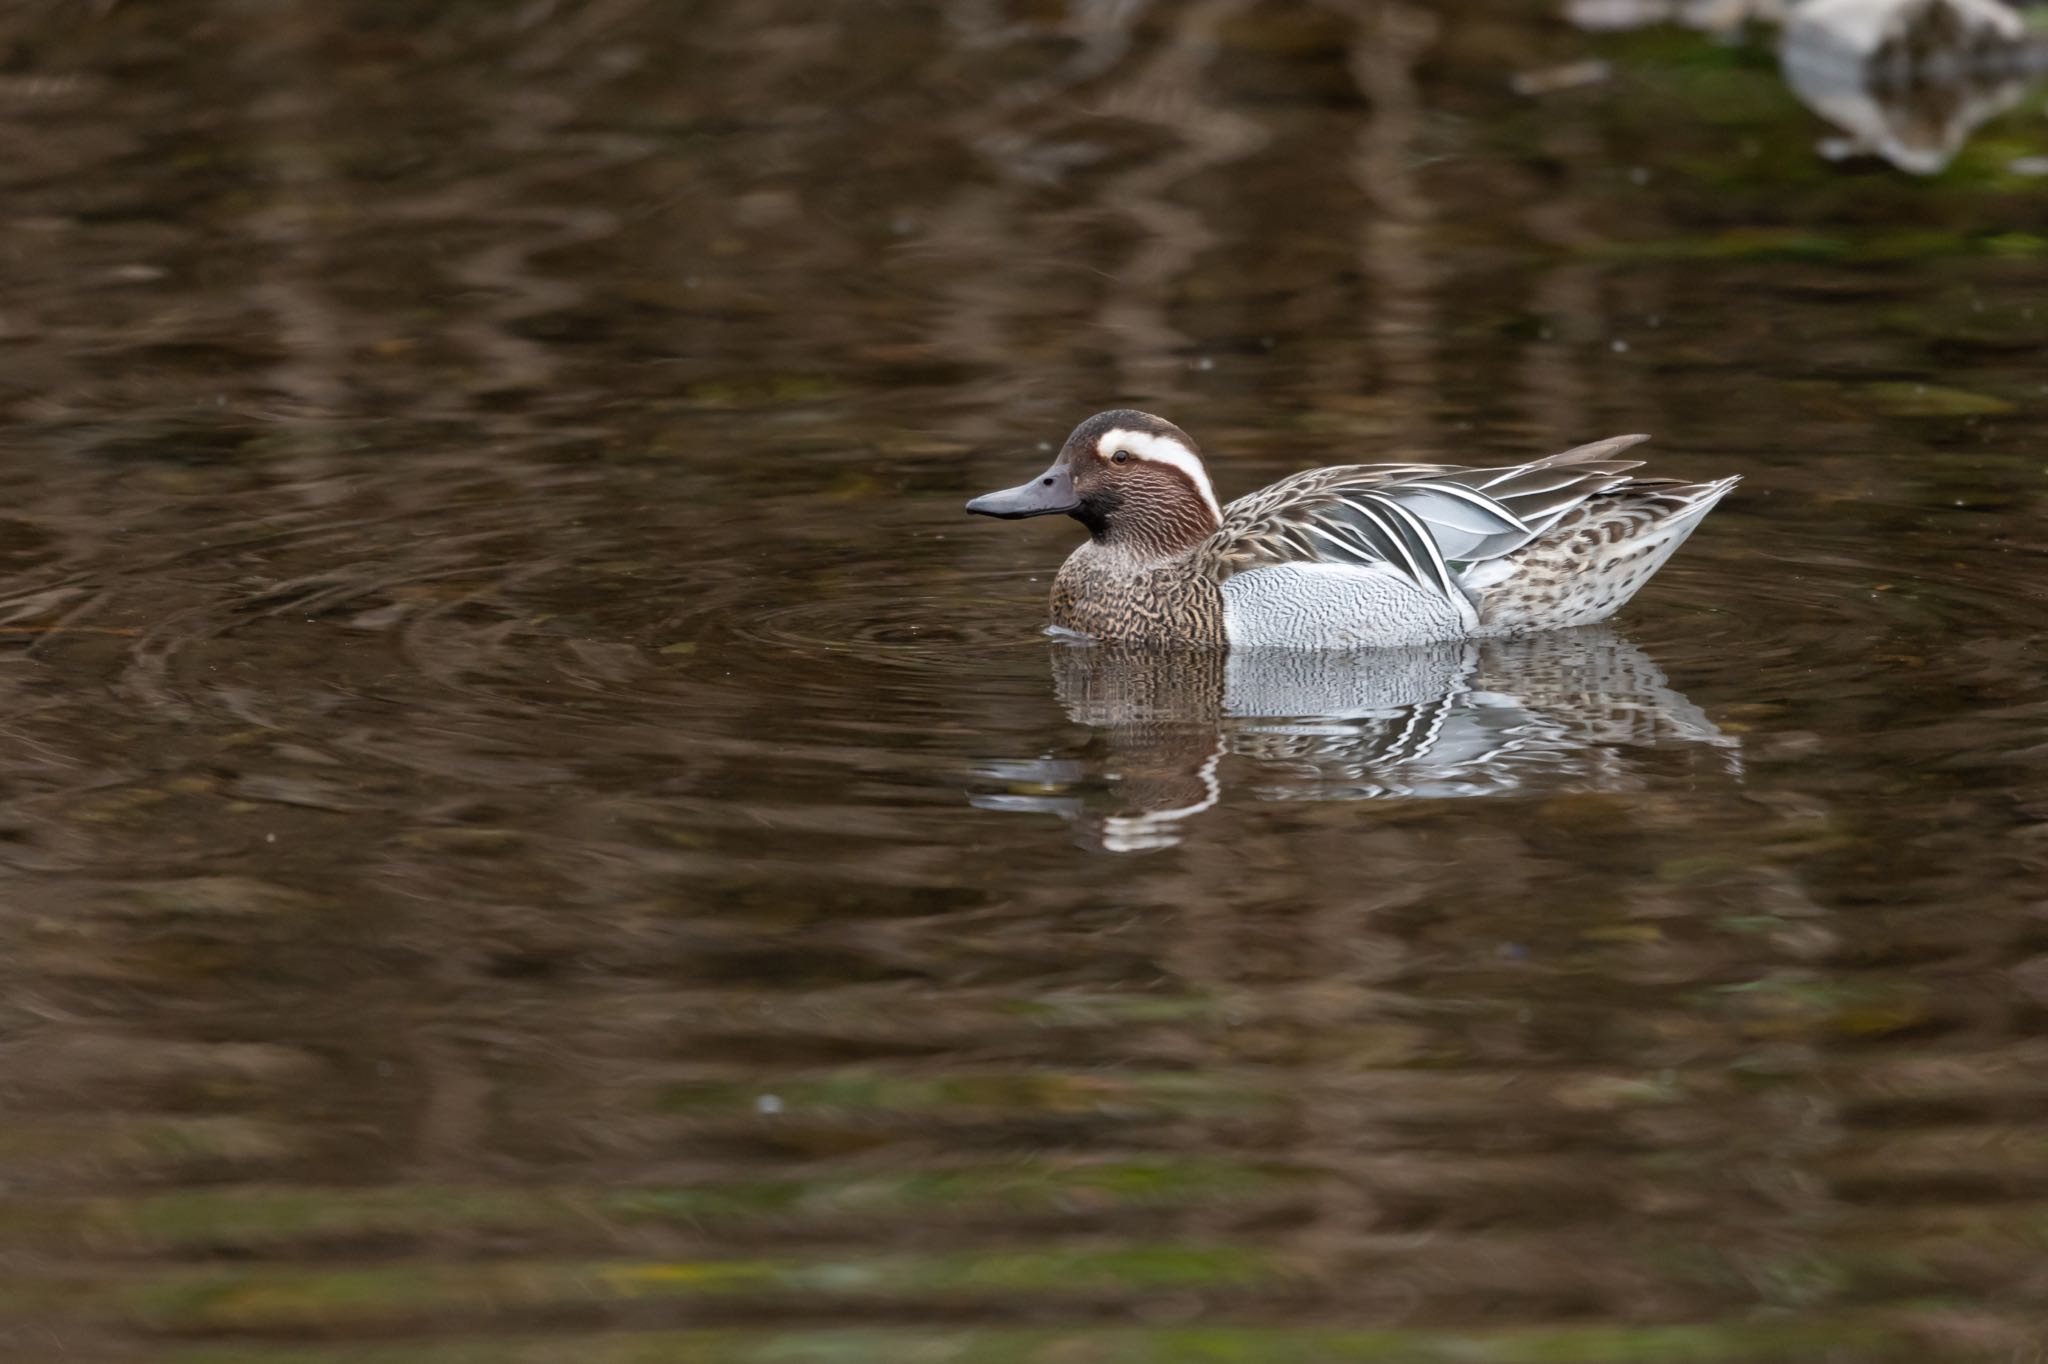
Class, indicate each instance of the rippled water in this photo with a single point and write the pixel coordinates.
(534, 828)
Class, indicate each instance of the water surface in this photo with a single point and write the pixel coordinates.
(534, 828)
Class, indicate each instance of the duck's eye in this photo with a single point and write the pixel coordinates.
(1120, 456)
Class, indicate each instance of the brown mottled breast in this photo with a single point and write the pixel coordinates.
(1110, 596)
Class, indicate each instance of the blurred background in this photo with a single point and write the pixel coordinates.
(532, 828)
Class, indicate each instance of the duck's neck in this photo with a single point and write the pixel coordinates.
(1151, 534)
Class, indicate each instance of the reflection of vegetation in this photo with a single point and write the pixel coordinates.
(763, 391)
(1932, 400)
(1793, 1008)
(247, 1218)
(1872, 1341)
(278, 1297)
(167, 1145)
(1799, 244)
(1018, 1092)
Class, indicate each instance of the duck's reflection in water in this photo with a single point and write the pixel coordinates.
(1575, 710)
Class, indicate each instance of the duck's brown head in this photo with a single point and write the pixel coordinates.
(1135, 480)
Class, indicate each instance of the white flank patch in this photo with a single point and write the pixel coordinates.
(1164, 450)
(1338, 606)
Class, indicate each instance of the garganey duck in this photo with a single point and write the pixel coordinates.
(1356, 555)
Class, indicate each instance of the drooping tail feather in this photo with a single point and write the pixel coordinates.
(1594, 558)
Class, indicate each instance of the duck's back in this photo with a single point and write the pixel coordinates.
(1410, 554)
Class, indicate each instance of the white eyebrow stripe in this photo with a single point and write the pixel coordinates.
(1163, 450)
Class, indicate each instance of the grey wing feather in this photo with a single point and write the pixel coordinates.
(1536, 495)
(1373, 527)
(1463, 521)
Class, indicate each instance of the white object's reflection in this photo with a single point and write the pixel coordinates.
(1907, 80)
(1565, 711)
(1713, 16)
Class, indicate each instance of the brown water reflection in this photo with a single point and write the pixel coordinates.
(502, 703)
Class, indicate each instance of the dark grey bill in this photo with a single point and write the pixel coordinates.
(1051, 492)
